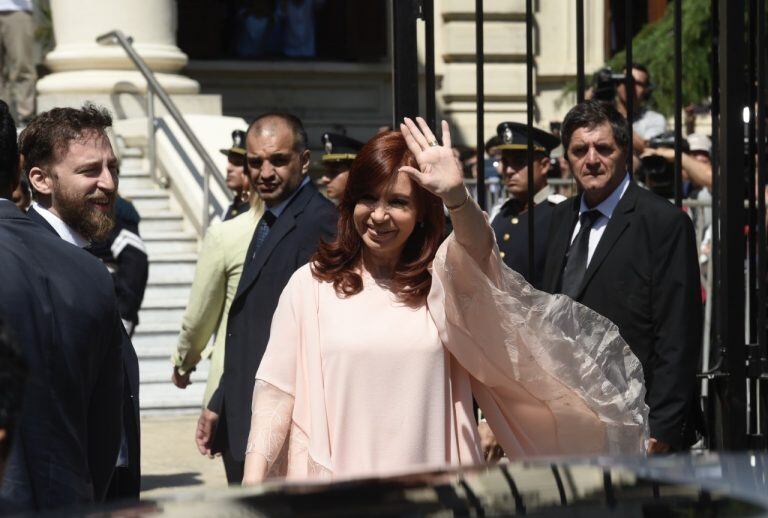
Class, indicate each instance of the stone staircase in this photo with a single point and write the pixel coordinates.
(172, 248)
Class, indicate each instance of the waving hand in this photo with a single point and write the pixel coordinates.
(439, 171)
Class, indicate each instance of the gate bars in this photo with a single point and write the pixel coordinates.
(734, 392)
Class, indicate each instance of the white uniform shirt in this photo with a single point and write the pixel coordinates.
(606, 208)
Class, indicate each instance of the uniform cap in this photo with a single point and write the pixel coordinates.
(338, 147)
(514, 135)
(238, 143)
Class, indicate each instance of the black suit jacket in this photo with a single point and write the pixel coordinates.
(644, 276)
(292, 240)
(129, 484)
(70, 430)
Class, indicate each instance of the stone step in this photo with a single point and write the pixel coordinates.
(160, 311)
(131, 184)
(167, 290)
(129, 164)
(150, 200)
(169, 243)
(155, 340)
(166, 398)
(159, 370)
(160, 221)
(172, 268)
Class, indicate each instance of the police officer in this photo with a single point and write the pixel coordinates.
(340, 151)
(125, 255)
(237, 180)
(509, 218)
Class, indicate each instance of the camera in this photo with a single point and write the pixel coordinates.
(655, 171)
(604, 83)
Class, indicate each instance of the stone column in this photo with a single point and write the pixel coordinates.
(83, 69)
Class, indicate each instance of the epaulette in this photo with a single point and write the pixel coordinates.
(554, 199)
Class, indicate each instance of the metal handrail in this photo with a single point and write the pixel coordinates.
(155, 88)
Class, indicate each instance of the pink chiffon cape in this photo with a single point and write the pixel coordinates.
(551, 376)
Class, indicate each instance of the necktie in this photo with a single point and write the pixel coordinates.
(262, 231)
(576, 262)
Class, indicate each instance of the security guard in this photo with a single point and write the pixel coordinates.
(510, 215)
(237, 180)
(340, 151)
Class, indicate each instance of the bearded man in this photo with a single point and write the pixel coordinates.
(73, 173)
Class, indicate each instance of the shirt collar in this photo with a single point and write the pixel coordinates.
(608, 205)
(64, 231)
(280, 208)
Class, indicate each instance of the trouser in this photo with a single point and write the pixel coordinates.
(17, 62)
(232, 467)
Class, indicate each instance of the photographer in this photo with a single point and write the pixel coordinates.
(696, 162)
(646, 123)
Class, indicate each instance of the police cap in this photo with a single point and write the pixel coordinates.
(514, 135)
(339, 147)
(238, 143)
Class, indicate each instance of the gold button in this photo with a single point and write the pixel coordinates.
(506, 237)
(515, 221)
(502, 254)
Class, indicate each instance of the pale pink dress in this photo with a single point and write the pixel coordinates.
(365, 385)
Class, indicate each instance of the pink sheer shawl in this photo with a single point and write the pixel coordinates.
(551, 376)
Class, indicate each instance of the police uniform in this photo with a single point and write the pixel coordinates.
(238, 206)
(340, 152)
(124, 254)
(510, 221)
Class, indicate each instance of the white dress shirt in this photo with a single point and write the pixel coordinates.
(64, 231)
(606, 208)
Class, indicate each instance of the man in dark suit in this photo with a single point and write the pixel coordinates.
(297, 216)
(60, 303)
(630, 255)
(73, 174)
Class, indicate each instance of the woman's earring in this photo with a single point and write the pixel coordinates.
(421, 224)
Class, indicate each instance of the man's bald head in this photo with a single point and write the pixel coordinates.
(271, 123)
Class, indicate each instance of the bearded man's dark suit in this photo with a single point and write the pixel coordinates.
(69, 435)
(644, 276)
(126, 482)
(292, 240)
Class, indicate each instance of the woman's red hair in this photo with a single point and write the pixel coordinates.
(339, 261)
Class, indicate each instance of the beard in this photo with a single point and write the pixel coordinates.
(78, 212)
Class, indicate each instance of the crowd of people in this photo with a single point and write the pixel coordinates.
(356, 332)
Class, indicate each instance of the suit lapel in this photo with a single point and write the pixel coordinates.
(561, 242)
(619, 221)
(281, 228)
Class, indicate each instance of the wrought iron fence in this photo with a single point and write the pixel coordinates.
(734, 351)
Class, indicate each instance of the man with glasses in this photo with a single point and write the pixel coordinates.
(646, 123)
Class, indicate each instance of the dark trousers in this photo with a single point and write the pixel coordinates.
(232, 467)
(124, 485)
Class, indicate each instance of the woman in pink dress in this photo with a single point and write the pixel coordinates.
(378, 346)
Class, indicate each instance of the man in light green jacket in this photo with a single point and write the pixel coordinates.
(219, 266)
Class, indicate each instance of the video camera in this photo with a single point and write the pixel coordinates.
(655, 171)
(604, 83)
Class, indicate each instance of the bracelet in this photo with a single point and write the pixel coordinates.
(460, 205)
